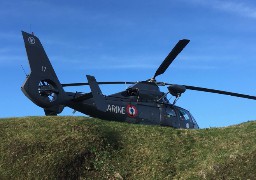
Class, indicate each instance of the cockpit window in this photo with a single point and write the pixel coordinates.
(184, 115)
(193, 119)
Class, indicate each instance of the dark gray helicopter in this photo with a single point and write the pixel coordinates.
(141, 103)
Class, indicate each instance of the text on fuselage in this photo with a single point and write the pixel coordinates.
(116, 109)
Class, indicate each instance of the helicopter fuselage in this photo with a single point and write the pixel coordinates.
(142, 103)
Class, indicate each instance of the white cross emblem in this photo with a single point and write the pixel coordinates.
(31, 40)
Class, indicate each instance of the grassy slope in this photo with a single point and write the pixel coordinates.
(77, 147)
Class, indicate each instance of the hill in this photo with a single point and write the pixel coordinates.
(79, 148)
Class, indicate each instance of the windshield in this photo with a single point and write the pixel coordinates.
(194, 121)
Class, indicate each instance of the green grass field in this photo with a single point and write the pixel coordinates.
(83, 148)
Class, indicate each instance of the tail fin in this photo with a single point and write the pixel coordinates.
(97, 94)
(42, 85)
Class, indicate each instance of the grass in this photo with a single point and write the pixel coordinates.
(83, 148)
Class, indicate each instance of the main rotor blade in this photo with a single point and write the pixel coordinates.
(171, 56)
(85, 84)
(220, 92)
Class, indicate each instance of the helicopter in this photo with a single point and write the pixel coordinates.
(142, 102)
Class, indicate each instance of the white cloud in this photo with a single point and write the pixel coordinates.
(139, 62)
(241, 8)
(11, 55)
(10, 35)
(122, 66)
(7, 59)
(110, 62)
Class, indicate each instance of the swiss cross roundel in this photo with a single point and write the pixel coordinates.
(131, 110)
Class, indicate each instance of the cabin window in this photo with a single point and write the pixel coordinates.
(170, 112)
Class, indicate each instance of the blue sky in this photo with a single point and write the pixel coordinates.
(128, 40)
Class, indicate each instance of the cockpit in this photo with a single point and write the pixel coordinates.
(145, 92)
(187, 116)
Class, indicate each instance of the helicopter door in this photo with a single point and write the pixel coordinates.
(168, 117)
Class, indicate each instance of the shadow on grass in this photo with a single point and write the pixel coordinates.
(92, 161)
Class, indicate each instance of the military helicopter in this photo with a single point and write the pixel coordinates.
(141, 103)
